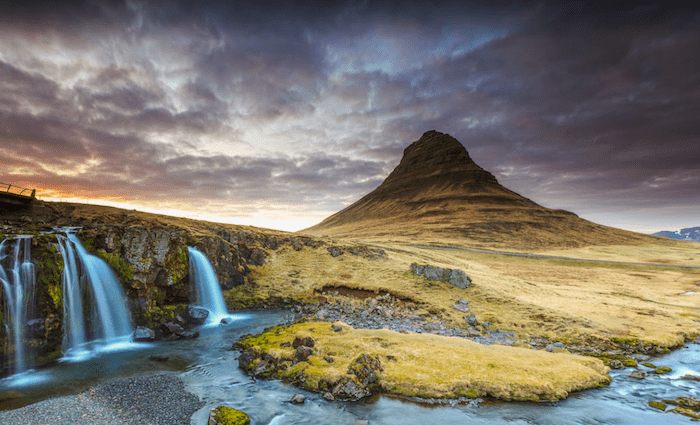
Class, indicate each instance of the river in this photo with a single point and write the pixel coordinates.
(210, 370)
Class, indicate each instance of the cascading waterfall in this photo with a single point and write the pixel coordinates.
(208, 290)
(108, 323)
(17, 274)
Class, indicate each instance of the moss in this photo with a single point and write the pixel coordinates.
(649, 365)
(121, 267)
(49, 358)
(686, 412)
(663, 370)
(657, 405)
(227, 416)
(177, 264)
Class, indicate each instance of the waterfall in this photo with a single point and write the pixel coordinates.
(208, 290)
(17, 274)
(108, 320)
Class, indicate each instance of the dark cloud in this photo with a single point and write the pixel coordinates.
(575, 105)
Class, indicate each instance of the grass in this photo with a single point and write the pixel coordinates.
(414, 364)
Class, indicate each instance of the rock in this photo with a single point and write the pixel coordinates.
(336, 328)
(556, 345)
(159, 358)
(143, 334)
(257, 257)
(347, 389)
(686, 412)
(188, 335)
(328, 396)
(436, 273)
(223, 415)
(298, 399)
(638, 374)
(35, 328)
(171, 328)
(461, 305)
(335, 251)
(305, 341)
(196, 315)
(663, 370)
(690, 377)
(649, 365)
(459, 279)
(328, 358)
(303, 352)
(613, 364)
(657, 405)
(472, 320)
(226, 321)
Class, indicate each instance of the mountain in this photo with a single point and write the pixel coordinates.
(438, 194)
(688, 234)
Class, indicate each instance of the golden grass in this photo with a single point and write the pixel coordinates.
(428, 366)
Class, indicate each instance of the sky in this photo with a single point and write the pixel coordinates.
(279, 114)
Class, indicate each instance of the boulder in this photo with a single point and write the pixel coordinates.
(459, 279)
(638, 374)
(223, 415)
(297, 399)
(196, 315)
(461, 305)
(143, 334)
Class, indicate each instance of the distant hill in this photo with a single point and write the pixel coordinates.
(688, 234)
(438, 194)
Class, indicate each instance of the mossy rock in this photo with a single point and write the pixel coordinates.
(223, 415)
(663, 370)
(649, 365)
(686, 412)
(657, 405)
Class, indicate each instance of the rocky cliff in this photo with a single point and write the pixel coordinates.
(148, 254)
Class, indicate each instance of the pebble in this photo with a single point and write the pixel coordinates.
(146, 400)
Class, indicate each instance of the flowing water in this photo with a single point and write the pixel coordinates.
(207, 288)
(18, 278)
(87, 278)
(210, 370)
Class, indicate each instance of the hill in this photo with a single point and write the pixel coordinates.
(687, 234)
(438, 194)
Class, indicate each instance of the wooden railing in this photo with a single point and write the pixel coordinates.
(8, 188)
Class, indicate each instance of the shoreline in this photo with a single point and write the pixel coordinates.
(153, 399)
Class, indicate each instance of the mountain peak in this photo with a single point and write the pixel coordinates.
(438, 193)
(438, 154)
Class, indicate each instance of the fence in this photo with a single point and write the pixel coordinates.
(8, 188)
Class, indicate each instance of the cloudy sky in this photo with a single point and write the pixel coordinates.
(283, 113)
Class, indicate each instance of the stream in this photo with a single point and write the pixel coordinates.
(210, 370)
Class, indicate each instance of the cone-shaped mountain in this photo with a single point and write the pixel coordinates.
(438, 194)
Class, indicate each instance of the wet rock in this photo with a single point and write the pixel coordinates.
(196, 315)
(171, 328)
(226, 321)
(691, 377)
(298, 399)
(35, 328)
(188, 335)
(638, 374)
(328, 396)
(660, 405)
(223, 415)
(649, 365)
(663, 370)
(613, 364)
(143, 334)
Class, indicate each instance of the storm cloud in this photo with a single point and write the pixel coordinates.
(267, 112)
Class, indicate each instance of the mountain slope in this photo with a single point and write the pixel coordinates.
(438, 194)
(687, 234)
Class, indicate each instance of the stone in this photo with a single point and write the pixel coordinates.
(303, 352)
(660, 405)
(638, 374)
(461, 305)
(188, 335)
(613, 364)
(305, 341)
(347, 389)
(690, 377)
(223, 415)
(459, 279)
(328, 396)
(663, 370)
(171, 328)
(336, 328)
(335, 251)
(143, 334)
(472, 320)
(298, 399)
(436, 273)
(556, 345)
(196, 315)
(226, 321)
